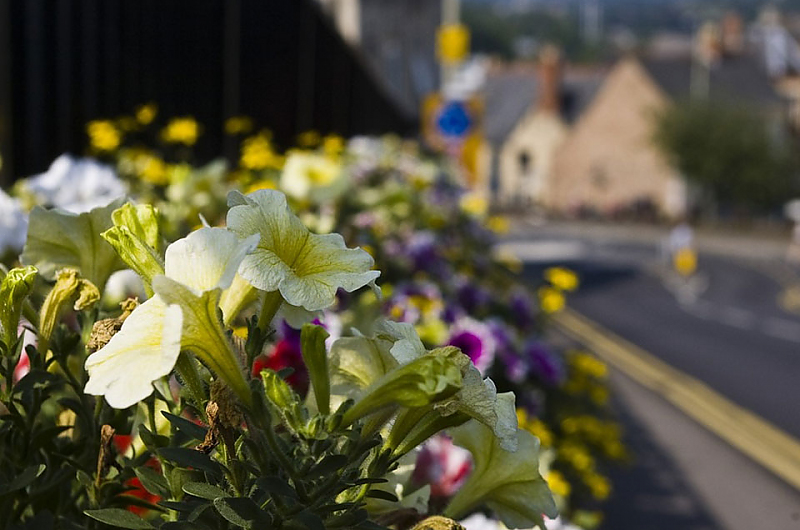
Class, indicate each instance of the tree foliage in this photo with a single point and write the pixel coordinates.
(734, 154)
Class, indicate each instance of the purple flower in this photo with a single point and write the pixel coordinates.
(475, 340)
(544, 364)
(521, 309)
(471, 296)
(451, 313)
(516, 369)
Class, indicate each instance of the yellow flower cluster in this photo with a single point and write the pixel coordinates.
(145, 114)
(558, 484)
(498, 224)
(181, 131)
(474, 204)
(551, 300)
(579, 458)
(561, 278)
(103, 135)
(535, 426)
(587, 377)
(238, 125)
(333, 145)
(258, 154)
(144, 165)
(588, 364)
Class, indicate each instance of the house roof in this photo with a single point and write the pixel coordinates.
(508, 97)
(739, 79)
(510, 94)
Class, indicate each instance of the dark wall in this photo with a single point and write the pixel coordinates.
(65, 62)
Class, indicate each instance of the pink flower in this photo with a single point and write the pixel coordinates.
(442, 465)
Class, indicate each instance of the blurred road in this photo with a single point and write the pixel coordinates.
(726, 326)
(733, 327)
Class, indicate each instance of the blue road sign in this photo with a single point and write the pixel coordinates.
(453, 120)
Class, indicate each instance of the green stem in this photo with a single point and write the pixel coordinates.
(188, 371)
(272, 302)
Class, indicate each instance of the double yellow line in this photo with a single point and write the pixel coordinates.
(756, 438)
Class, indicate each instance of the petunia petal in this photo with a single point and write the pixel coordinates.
(207, 258)
(144, 350)
(507, 482)
(307, 268)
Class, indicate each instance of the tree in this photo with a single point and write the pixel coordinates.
(736, 155)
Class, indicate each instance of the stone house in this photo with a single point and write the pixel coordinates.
(529, 112)
(608, 162)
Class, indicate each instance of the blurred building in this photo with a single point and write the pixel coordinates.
(397, 41)
(608, 163)
(530, 110)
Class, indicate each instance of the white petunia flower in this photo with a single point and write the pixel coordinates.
(75, 185)
(307, 172)
(181, 316)
(508, 483)
(306, 268)
(13, 224)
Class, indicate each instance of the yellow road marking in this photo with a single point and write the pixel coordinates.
(763, 442)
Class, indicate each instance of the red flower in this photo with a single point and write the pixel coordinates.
(286, 354)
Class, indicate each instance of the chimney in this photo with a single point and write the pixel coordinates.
(732, 34)
(550, 70)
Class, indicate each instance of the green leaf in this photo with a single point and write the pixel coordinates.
(59, 239)
(153, 481)
(330, 464)
(276, 486)
(309, 520)
(189, 428)
(203, 490)
(315, 356)
(24, 479)
(242, 512)
(184, 457)
(428, 379)
(382, 494)
(119, 518)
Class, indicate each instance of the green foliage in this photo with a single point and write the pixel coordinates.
(730, 152)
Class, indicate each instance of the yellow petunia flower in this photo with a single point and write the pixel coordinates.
(558, 484)
(103, 135)
(238, 125)
(561, 278)
(145, 114)
(498, 224)
(257, 154)
(551, 300)
(474, 204)
(181, 131)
